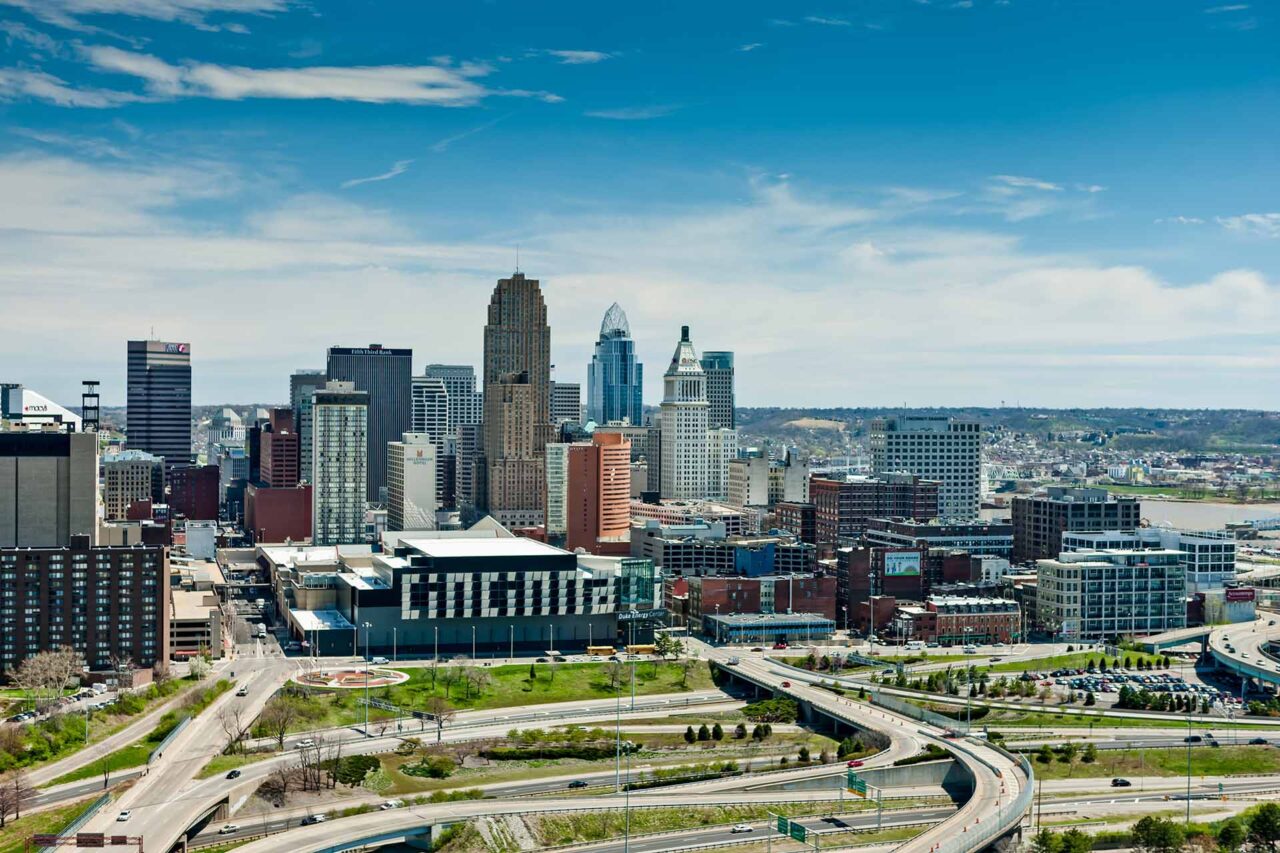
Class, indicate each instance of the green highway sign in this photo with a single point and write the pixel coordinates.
(783, 824)
(798, 832)
(856, 785)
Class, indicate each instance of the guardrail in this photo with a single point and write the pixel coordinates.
(77, 824)
(983, 834)
(915, 712)
(168, 739)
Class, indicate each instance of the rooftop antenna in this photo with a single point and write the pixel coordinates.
(517, 257)
(89, 406)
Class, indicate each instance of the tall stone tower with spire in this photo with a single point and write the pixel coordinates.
(684, 425)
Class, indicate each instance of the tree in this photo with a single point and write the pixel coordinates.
(757, 733)
(234, 726)
(1090, 754)
(1090, 700)
(15, 793)
(1264, 826)
(278, 717)
(1075, 841)
(739, 731)
(442, 712)
(804, 754)
(43, 675)
(1231, 836)
(1157, 835)
(533, 673)
(451, 675)
(199, 668)
(667, 646)
(1046, 841)
(690, 737)
(1044, 754)
(686, 666)
(717, 732)
(704, 733)
(478, 680)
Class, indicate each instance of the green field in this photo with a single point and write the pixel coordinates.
(1205, 761)
(15, 833)
(1075, 660)
(505, 687)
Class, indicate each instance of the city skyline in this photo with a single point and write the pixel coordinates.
(866, 192)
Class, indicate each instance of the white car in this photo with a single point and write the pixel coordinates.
(304, 744)
(741, 827)
(124, 815)
(391, 804)
(380, 661)
(228, 829)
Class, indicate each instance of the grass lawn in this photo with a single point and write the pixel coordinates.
(555, 829)
(1205, 761)
(15, 832)
(508, 687)
(1075, 660)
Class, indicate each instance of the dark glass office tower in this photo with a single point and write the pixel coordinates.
(158, 419)
(386, 375)
(615, 380)
(719, 369)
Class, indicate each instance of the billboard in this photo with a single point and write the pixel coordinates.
(901, 564)
(1246, 594)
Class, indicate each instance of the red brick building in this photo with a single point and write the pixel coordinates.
(278, 515)
(193, 492)
(954, 620)
(278, 451)
(598, 499)
(843, 507)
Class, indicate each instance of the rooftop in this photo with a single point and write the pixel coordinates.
(456, 548)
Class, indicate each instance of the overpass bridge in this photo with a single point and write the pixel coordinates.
(1178, 637)
(1250, 650)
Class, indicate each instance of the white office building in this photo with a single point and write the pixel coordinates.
(939, 448)
(684, 425)
(1091, 595)
(557, 466)
(412, 498)
(1208, 556)
(430, 416)
(466, 405)
(340, 459)
(722, 448)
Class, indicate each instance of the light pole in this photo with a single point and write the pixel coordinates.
(1188, 819)
(473, 642)
(395, 636)
(435, 656)
(366, 626)
(513, 642)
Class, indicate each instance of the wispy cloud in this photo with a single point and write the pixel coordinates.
(826, 22)
(1026, 183)
(398, 168)
(634, 113)
(579, 57)
(18, 83)
(441, 85)
(962, 4)
(69, 14)
(16, 32)
(1180, 220)
(92, 146)
(1218, 10)
(444, 144)
(1091, 188)
(747, 48)
(1257, 224)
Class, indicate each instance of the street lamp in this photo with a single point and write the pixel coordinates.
(394, 644)
(366, 626)
(473, 642)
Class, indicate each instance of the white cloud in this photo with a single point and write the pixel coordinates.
(1026, 183)
(826, 22)
(18, 83)
(68, 13)
(17, 32)
(579, 57)
(1180, 220)
(941, 315)
(1091, 188)
(397, 168)
(747, 48)
(93, 146)
(1234, 7)
(444, 144)
(1258, 224)
(634, 113)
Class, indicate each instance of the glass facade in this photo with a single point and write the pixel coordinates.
(615, 380)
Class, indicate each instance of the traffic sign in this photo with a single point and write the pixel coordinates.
(783, 824)
(856, 785)
(798, 832)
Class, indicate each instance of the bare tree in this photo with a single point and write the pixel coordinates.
(278, 717)
(442, 712)
(477, 680)
(234, 726)
(44, 675)
(613, 672)
(311, 763)
(160, 673)
(449, 676)
(20, 791)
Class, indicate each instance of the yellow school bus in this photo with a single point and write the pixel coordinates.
(602, 651)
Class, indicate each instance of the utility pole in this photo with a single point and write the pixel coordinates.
(1188, 820)
(366, 626)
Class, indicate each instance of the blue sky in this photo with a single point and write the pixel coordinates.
(875, 202)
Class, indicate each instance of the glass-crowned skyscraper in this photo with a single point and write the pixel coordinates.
(615, 380)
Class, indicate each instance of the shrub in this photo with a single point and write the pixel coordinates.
(780, 710)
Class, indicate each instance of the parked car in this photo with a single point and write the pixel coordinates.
(741, 827)
(233, 774)
(228, 829)
(757, 648)
(1121, 783)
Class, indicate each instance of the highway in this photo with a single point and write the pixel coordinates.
(1245, 655)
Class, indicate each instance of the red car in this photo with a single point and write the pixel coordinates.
(779, 645)
(786, 684)
(854, 763)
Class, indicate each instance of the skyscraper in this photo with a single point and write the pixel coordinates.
(340, 454)
(411, 483)
(615, 380)
(566, 403)
(598, 496)
(48, 488)
(684, 424)
(719, 369)
(935, 447)
(158, 419)
(431, 409)
(278, 451)
(517, 401)
(129, 477)
(302, 388)
(466, 405)
(386, 376)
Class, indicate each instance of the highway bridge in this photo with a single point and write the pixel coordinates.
(1249, 649)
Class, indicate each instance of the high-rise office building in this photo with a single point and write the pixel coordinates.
(466, 404)
(615, 379)
(129, 477)
(646, 447)
(107, 603)
(566, 403)
(302, 388)
(684, 424)
(48, 488)
(722, 448)
(278, 451)
(158, 418)
(718, 366)
(386, 376)
(556, 463)
(598, 496)
(1040, 520)
(517, 401)
(431, 409)
(340, 455)
(194, 492)
(1106, 594)
(935, 447)
(515, 454)
(469, 477)
(412, 492)
(843, 506)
